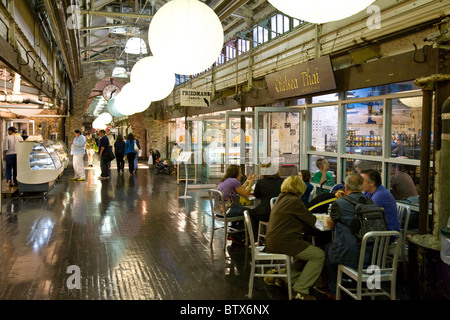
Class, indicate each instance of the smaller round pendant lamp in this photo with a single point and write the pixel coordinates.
(105, 118)
(320, 11)
(131, 100)
(112, 108)
(99, 125)
(152, 77)
(187, 34)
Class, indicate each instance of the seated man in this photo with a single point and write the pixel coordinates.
(323, 174)
(382, 197)
(345, 248)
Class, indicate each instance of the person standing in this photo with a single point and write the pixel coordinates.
(103, 146)
(175, 153)
(111, 140)
(10, 155)
(129, 152)
(77, 152)
(90, 148)
(119, 147)
(137, 155)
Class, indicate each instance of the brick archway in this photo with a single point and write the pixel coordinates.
(98, 88)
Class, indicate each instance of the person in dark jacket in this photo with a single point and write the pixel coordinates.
(288, 218)
(345, 248)
(266, 188)
(305, 175)
(119, 148)
(103, 146)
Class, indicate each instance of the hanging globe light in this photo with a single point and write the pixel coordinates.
(152, 77)
(320, 11)
(99, 125)
(112, 108)
(105, 118)
(187, 34)
(131, 100)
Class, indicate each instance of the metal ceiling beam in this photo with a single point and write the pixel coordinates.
(225, 8)
(66, 41)
(108, 26)
(115, 14)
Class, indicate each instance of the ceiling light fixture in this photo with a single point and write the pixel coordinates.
(187, 34)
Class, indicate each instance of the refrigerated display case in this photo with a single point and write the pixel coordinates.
(40, 164)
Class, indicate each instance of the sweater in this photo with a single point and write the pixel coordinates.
(288, 219)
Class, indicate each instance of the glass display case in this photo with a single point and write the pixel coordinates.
(39, 164)
(46, 155)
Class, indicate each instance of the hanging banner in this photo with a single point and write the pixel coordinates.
(195, 98)
(310, 77)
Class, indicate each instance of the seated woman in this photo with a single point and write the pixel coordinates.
(231, 187)
(305, 175)
(268, 187)
(288, 219)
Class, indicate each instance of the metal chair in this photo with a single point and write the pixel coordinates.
(380, 269)
(262, 228)
(312, 195)
(258, 255)
(404, 212)
(218, 212)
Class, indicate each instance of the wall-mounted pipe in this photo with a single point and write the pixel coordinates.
(15, 98)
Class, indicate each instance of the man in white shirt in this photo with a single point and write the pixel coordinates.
(10, 155)
(77, 151)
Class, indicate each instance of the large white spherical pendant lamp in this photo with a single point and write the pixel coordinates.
(153, 78)
(131, 100)
(112, 108)
(187, 34)
(320, 11)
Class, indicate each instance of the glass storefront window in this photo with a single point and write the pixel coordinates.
(364, 128)
(381, 90)
(324, 134)
(406, 127)
(403, 181)
(326, 98)
(354, 165)
(332, 161)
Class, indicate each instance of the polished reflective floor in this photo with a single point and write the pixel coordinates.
(130, 237)
(127, 238)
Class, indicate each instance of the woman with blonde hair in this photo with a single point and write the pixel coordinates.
(288, 219)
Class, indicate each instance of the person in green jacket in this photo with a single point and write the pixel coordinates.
(323, 174)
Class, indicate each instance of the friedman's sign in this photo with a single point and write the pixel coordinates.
(310, 77)
(195, 98)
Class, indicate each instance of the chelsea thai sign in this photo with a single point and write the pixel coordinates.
(310, 77)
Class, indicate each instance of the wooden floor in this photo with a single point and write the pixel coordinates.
(131, 237)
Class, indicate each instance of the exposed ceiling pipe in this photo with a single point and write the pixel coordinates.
(19, 99)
